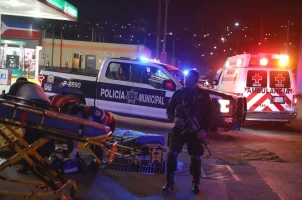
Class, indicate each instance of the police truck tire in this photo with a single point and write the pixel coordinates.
(77, 98)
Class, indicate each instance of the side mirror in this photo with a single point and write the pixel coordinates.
(168, 85)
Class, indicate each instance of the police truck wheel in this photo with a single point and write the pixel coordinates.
(76, 97)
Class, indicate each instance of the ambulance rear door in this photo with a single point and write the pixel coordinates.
(269, 90)
(282, 90)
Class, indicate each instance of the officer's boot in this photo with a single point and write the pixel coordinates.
(170, 182)
(195, 170)
(170, 169)
(196, 184)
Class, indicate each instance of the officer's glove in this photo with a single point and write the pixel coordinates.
(179, 121)
(201, 135)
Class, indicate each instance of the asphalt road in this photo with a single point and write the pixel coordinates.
(258, 162)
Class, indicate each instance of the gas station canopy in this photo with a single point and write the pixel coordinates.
(50, 9)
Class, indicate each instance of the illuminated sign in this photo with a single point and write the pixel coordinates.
(12, 42)
(65, 7)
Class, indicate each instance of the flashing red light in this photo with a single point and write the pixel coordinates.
(263, 61)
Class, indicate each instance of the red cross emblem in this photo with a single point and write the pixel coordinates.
(279, 78)
(257, 78)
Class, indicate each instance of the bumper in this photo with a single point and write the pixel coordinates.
(229, 122)
(271, 116)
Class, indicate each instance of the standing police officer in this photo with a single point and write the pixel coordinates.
(198, 104)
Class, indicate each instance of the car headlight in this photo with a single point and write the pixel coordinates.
(224, 105)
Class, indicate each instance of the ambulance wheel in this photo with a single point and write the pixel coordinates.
(72, 192)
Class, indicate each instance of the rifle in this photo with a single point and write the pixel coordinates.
(191, 124)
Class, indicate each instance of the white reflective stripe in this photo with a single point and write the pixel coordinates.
(260, 108)
(253, 100)
(273, 107)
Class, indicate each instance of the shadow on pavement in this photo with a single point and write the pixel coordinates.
(150, 184)
(293, 127)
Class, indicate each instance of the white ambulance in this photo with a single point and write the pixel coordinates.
(267, 82)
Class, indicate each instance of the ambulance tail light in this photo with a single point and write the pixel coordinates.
(40, 79)
(295, 100)
(224, 105)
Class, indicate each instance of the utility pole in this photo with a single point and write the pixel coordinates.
(164, 53)
(261, 34)
(173, 61)
(287, 36)
(92, 33)
(158, 29)
(53, 44)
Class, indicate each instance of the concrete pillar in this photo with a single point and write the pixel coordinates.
(21, 58)
(299, 70)
(5, 46)
(37, 70)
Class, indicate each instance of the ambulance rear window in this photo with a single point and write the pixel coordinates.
(256, 78)
(279, 79)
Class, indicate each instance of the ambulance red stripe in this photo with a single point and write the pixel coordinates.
(250, 97)
(279, 107)
(268, 109)
(287, 100)
(260, 101)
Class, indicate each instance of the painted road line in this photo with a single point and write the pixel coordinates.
(233, 173)
(203, 173)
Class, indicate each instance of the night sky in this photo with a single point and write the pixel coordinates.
(190, 21)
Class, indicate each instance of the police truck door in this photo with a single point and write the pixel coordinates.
(150, 99)
(114, 88)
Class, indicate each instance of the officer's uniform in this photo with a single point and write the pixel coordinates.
(200, 108)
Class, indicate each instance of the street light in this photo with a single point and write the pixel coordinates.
(236, 24)
(164, 54)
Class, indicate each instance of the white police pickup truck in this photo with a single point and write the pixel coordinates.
(139, 88)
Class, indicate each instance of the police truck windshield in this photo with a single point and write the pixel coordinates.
(178, 75)
(175, 72)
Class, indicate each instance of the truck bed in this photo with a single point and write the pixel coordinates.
(75, 71)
